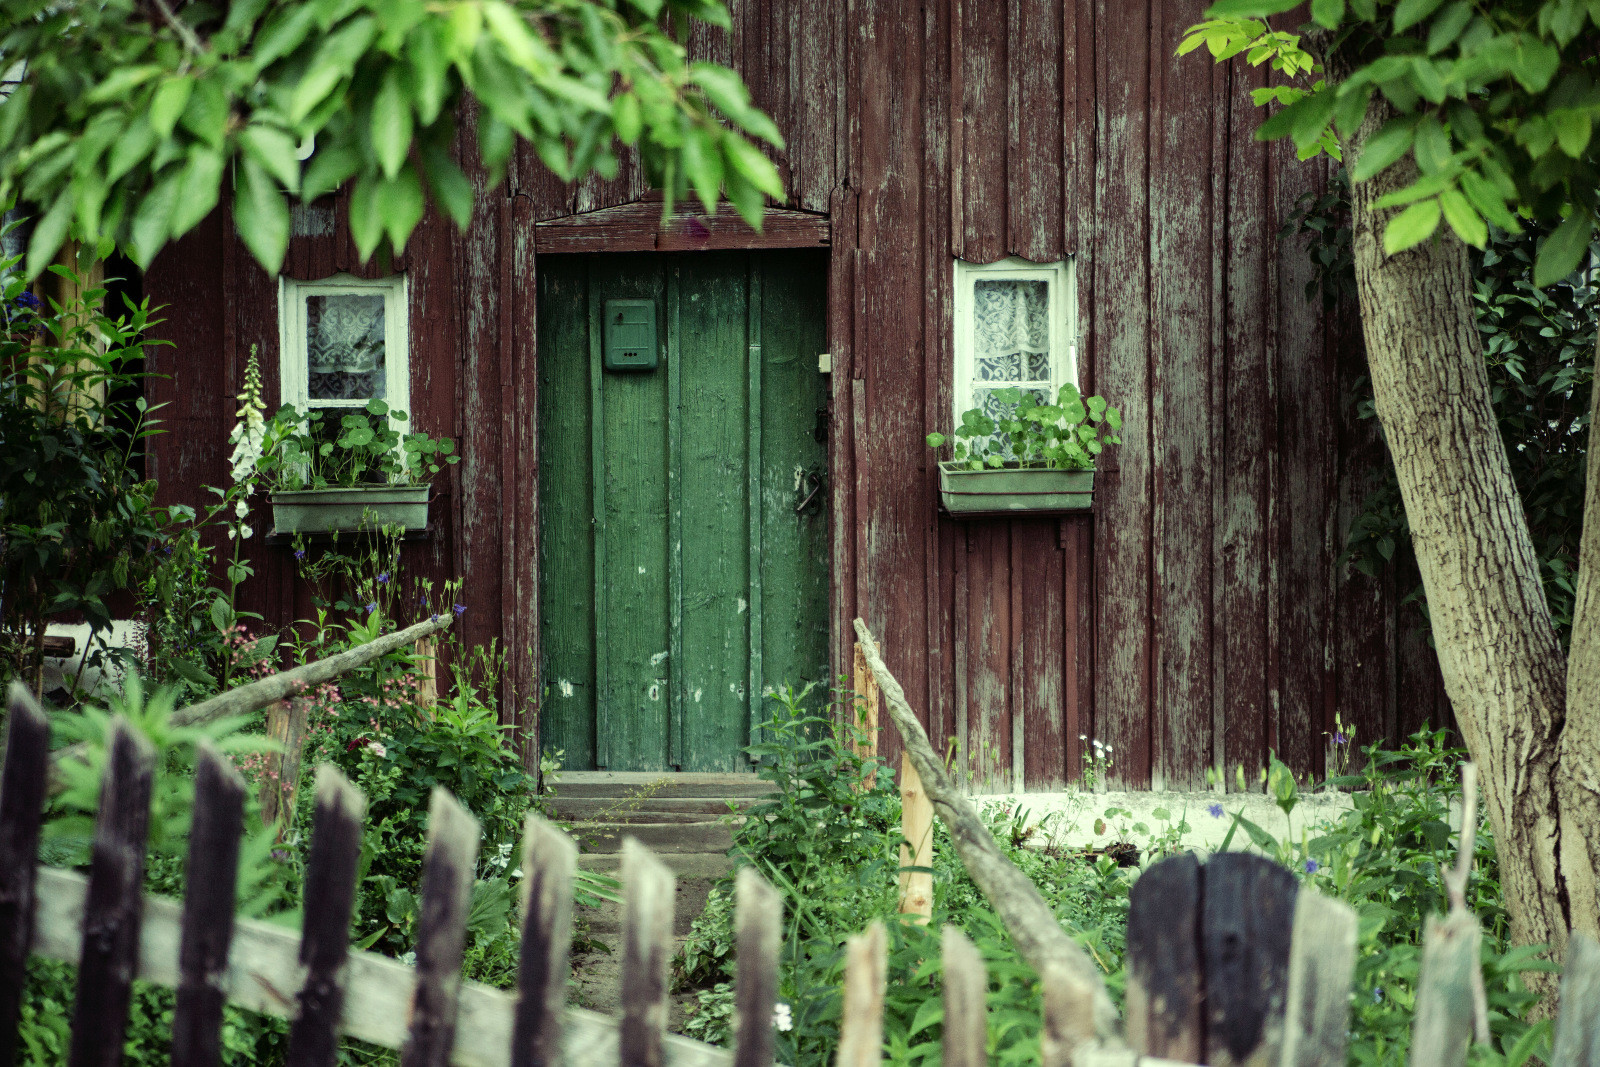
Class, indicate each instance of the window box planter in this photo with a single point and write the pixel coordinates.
(1013, 490)
(330, 510)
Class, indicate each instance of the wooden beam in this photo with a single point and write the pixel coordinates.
(639, 227)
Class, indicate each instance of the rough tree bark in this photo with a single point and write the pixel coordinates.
(1502, 663)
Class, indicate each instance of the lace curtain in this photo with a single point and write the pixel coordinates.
(344, 346)
(1010, 339)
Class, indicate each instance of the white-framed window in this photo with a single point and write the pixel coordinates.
(342, 342)
(1016, 326)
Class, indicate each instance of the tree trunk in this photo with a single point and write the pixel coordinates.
(1502, 663)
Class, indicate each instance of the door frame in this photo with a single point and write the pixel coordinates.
(640, 226)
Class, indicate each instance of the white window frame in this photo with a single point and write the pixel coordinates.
(294, 376)
(1063, 313)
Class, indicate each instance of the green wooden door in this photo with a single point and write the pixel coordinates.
(680, 578)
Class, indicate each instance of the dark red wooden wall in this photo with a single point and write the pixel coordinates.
(1197, 618)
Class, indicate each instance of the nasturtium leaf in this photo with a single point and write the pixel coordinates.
(391, 124)
(1383, 148)
(168, 102)
(1561, 252)
(261, 215)
(1407, 13)
(1467, 223)
(1411, 227)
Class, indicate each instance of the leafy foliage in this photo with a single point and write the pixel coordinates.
(131, 116)
(1538, 344)
(1494, 103)
(1066, 435)
(78, 521)
(306, 451)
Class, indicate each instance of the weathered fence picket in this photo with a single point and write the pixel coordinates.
(758, 933)
(966, 986)
(213, 863)
(548, 860)
(23, 783)
(448, 870)
(648, 892)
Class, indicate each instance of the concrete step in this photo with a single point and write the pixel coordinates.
(647, 785)
(662, 838)
(686, 865)
(652, 809)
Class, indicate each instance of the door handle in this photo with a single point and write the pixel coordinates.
(811, 504)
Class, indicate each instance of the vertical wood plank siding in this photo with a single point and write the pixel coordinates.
(1196, 619)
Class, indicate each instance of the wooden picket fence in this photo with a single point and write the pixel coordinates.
(1229, 962)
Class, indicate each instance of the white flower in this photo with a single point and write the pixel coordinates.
(244, 532)
(242, 508)
(377, 749)
(782, 1018)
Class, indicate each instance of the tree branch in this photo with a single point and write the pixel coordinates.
(1030, 921)
(190, 39)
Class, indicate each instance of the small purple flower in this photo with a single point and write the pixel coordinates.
(299, 553)
(1312, 866)
(1340, 739)
(383, 578)
(280, 855)
(1214, 810)
(458, 608)
(372, 607)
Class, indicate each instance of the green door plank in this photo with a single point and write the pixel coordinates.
(566, 540)
(631, 594)
(794, 547)
(753, 479)
(713, 690)
(675, 516)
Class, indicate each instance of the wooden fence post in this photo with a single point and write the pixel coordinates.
(329, 896)
(110, 955)
(447, 878)
(286, 724)
(22, 791)
(1442, 1028)
(648, 892)
(1322, 960)
(1164, 978)
(966, 988)
(427, 654)
(916, 827)
(758, 921)
(211, 876)
(1577, 1038)
(865, 972)
(548, 860)
(864, 713)
(1071, 1017)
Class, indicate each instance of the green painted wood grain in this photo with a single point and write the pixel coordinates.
(714, 680)
(634, 711)
(794, 548)
(566, 542)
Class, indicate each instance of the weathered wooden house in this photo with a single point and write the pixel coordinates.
(657, 547)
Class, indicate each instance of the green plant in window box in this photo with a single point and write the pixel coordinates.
(359, 472)
(1028, 456)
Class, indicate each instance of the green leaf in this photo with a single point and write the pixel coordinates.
(1573, 129)
(334, 62)
(131, 149)
(1563, 250)
(206, 115)
(1432, 145)
(120, 82)
(1467, 223)
(391, 124)
(746, 159)
(1250, 8)
(728, 94)
(702, 163)
(328, 169)
(401, 205)
(1383, 148)
(429, 69)
(510, 29)
(261, 215)
(199, 190)
(1407, 13)
(626, 119)
(1448, 26)
(276, 151)
(1327, 13)
(1411, 227)
(1488, 200)
(167, 103)
(283, 33)
(451, 187)
(50, 234)
(221, 614)
(152, 221)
